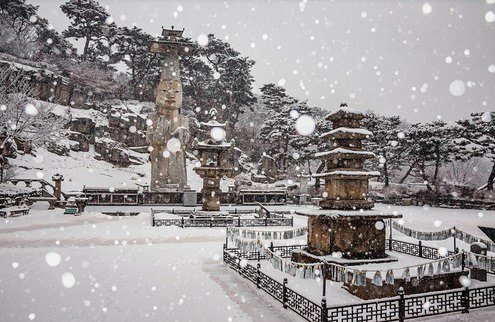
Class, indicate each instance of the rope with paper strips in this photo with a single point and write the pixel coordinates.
(442, 235)
(346, 274)
(268, 234)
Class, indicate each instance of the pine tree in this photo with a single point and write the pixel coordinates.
(88, 21)
(384, 143)
(233, 82)
(132, 48)
(425, 146)
(477, 139)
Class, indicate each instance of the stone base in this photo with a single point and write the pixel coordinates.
(302, 256)
(346, 204)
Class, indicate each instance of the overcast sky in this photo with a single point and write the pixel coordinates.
(407, 58)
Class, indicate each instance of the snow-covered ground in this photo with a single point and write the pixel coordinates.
(124, 269)
(82, 169)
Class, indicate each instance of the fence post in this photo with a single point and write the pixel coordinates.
(271, 246)
(463, 259)
(455, 240)
(402, 305)
(258, 267)
(324, 311)
(152, 219)
(181, 220)
(266, 221)
(292, 221)
(420, 249)
(324, 278)
(465, 300)
(239, 221)
(211, 222)
(284, 293)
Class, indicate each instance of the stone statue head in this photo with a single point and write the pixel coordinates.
(169, 95)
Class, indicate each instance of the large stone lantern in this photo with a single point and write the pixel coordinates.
(213, 155)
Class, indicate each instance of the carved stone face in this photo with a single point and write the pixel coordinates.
(169, 94)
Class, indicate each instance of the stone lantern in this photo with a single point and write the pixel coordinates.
(344, 228)
(214, 164)
(58, 178)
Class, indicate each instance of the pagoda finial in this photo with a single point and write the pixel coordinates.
(344, 104)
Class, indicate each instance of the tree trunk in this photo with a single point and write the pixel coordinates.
(85, 51)
(424, 176)
(437, 167)
(407, 173)
(385, 173)
(491, 178)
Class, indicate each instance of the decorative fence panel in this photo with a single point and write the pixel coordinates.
(385, 310)
(399, 308)
(433, 304)
(221, 222)
(417, 250)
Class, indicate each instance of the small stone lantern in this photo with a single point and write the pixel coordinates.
(58, 178)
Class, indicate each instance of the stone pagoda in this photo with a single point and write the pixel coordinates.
(168, 133)
(344, 229)
(213, 154)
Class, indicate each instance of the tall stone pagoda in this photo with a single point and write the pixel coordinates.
(213, 154)
(345, 229)
(168, 133)
(346, 183)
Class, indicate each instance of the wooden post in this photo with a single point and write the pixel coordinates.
(465, 300)
(271, 246)
(324, 311)
(284, 293)
(455, 241)
(258, 268)
(402, 305)
(182, 221)
(390, 235)
(239, 221)
(324, 278)
(420, 247)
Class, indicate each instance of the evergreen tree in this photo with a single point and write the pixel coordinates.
(477, 139)
(384, 143)
(278, 132)
(132, 48)
(232, 80)
(425, 146)
(88, 21)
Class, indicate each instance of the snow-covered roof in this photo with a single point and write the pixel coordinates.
(210, 144)
(213, 123)
(344, 151)
(9, 189)
(351, 130)
(346, 213)
(344, 110)
(347, 173)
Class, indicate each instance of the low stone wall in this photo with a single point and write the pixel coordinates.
(426, 284)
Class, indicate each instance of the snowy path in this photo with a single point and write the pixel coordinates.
(127, 270)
